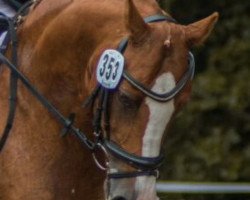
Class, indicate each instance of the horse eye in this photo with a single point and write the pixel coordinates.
(127, 101)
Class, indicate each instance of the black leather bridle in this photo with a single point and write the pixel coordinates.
(145, 166)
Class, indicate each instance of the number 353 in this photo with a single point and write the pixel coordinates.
(110, 68)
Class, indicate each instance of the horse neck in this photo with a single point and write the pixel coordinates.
(59, 48)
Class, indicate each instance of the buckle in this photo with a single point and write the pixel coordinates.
(104, 167)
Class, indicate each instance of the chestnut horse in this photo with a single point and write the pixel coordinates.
(64, 47)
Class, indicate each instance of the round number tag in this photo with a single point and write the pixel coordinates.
(110, 68)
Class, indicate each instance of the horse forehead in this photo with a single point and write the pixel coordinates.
(170, 36)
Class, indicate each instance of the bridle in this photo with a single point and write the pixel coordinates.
(144, 166)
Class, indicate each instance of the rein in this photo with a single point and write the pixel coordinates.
(11, 35)
(11, 25)
(145, 166)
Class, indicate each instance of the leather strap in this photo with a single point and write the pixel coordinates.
(13, 83)
(139, 162)
(119, 175)
(172, 93)
(11, 23)
(63, 120)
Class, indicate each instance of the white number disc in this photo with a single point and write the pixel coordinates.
(110, 68)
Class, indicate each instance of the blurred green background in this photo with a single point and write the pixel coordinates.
(210, 138)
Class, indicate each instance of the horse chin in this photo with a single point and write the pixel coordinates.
(146, 188)
(121, 189)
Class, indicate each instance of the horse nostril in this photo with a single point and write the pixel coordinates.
(119, 198)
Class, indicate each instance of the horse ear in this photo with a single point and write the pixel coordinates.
(197, 33)
(135, 23)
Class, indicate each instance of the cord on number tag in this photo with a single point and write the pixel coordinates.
(110, 68)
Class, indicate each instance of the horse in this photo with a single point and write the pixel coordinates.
(113, 73)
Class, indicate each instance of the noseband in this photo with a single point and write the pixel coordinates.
(145, 166)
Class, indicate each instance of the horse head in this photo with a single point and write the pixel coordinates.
(157, 64)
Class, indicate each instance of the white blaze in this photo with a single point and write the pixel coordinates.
(159, 116)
